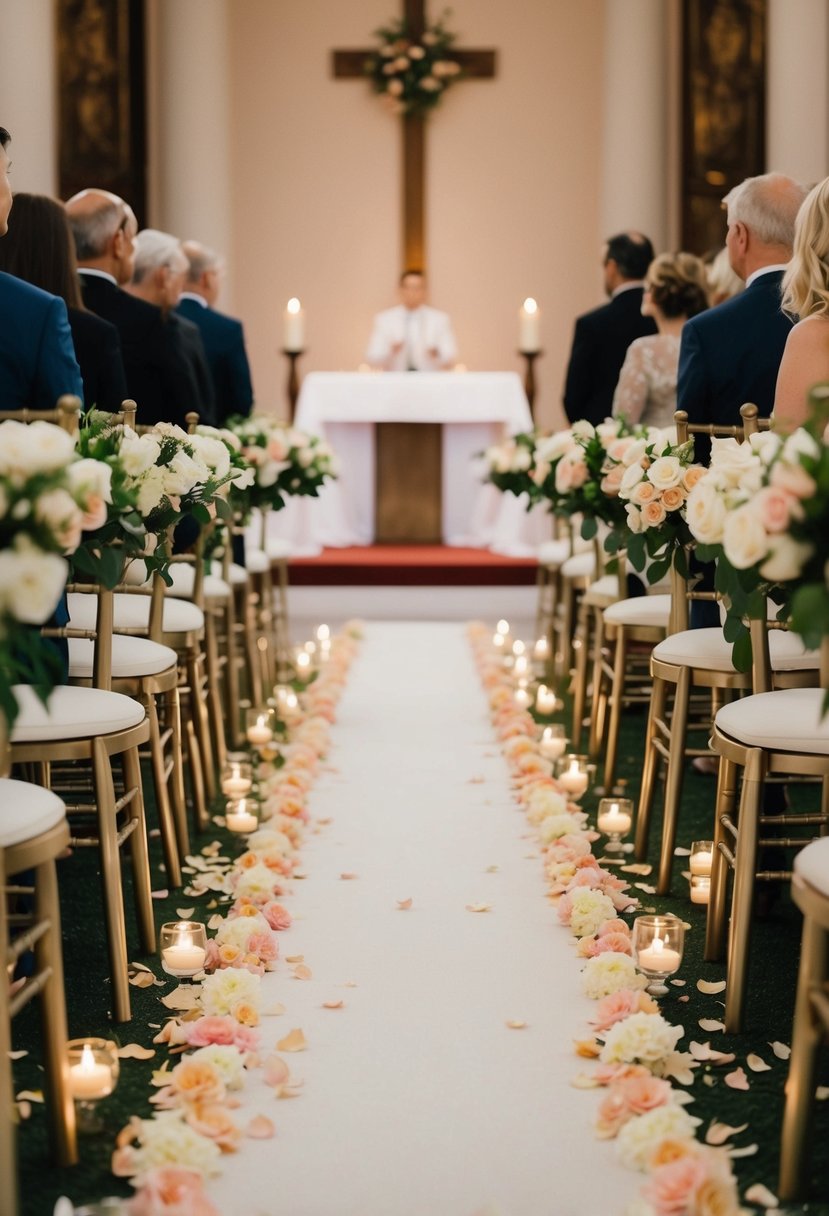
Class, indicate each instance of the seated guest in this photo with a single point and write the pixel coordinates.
(602, 337)
(39, 248)
(223, 337)
(158, 378)
(675, 289)
(158, 279)
(37, 359)
(805, 359)
(412, 336)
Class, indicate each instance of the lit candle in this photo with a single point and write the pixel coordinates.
(235, 782)
(541, 649)
(90, 1079)
(574, 779)
(529, 327)
(546, 700)
(700, 889)
(614, 820)
(303, 663)
(259, 732)
(522, 698)
(552, 743)
(184, 956)
(323, 633)
(518, 647)
(502, 627)
(702, 856)
(521, 667)
(498, 641)
(293, 326)
(659, 958)
(239, 819)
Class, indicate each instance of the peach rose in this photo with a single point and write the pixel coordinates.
(171, 1191)
(653, 514)
(225, 1031)
(619, 1005)
(669, 1149)
(589, 947)
(644, 492)
(645, 1093)
(614, 926)
(776, 508)
(214, 1122)
(245, 1014)
(195, 1081)
(692, 475)
(672, 1186)
(673, 498)
(277, 916)
(229, 955)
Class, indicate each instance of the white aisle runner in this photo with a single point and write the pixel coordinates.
(418, 1099)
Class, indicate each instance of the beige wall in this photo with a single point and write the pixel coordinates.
(513, 182)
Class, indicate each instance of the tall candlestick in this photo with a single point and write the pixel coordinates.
(529, 328)
(293, 326)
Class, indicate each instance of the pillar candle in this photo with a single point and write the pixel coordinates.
(529, 326)
(293, 326)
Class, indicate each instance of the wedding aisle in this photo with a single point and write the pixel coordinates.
(418, 1097)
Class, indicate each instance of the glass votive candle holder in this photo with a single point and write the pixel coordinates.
(521, 667)
(261, 724)
(657, 943)
(303, 664)
(553, 742)
(498, 641)
(700, 889)
(519, 649)
(242, 815)
(93, 1075)
(183, 948)
(702, 857)
(522, 697)
(573, 775)
(323, 634)
(503, 628)
(614, 820)
(546, 701)
(286, 702)
(237, 775)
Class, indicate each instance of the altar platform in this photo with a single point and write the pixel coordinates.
(411, 566)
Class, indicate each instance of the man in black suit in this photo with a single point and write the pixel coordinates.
(602, 336)
(223, 337)
(159, 379)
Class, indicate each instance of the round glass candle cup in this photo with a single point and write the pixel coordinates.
(261, 724)
(237, 775)
(573, 775)
(700, 889)
(93, 1075)
(546, 701)
(702, 857)
(553, 742)
(503, 628)
(657, 943)
(183, 948)
(614, 820)
(242, 815)
(522, 697)
(519, 649)
(286, 702)
(323, 634)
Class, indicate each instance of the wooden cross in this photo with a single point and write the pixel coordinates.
(480, 65)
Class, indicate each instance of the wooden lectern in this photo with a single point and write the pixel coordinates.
(408, 483)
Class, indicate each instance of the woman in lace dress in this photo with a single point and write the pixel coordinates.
(675, 289)
(805, 359)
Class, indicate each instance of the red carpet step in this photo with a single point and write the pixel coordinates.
(411, 566)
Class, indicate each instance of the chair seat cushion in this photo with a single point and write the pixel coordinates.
(553, 552)
(184, 578)
(580, 565)
(131, 658)
(603, 591)
(133, 612)
(72, 713)
(708, 648)
(788, 720)
(26, 811)
(812, 865)
(641, 610)
(238, 574)
(278, 550)
(257, 561)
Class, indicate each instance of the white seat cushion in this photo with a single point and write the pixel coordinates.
(26, 811)
(72, 713)
(708, 648)
(812, 865)
(580, 565)
(553, 552)
(278, 550)
(238, 574)
(131, 658)
(789, 720)
(604, 588)
(257, 561)
(133, 612)
(642, 610)
(184, 578)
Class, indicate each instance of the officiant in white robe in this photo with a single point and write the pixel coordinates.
(412, 336)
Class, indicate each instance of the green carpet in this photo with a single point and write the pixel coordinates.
(774, 955)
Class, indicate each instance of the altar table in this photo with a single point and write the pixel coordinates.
(475, 409)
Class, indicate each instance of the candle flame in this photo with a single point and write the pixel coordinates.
(530, 305)
(87, 1058)
(294, 305)
(658, 944)
(518, 648)
(503, 627)
(323, 633)
(184, 936)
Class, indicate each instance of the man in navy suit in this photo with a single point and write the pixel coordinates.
(37, 358)
(730, 354)
(223, 337)
(602, 336)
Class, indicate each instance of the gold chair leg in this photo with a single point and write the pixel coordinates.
(581, 646)
(214, 695)
(617, 694)
(566, 625)
(171, 703)
(674, 777)
(656, 712)
(111, 880)
(8, 1122)
(231, 681)
(162, 795)
(742, 898)
(807, 1037)
(201, 724)
(196, 768)
(139, 853)
(49, 955)
(716, 917)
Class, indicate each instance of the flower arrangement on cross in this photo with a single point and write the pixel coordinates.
(411, 75)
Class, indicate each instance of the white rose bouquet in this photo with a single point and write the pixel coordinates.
(510, 464)
(286, 462)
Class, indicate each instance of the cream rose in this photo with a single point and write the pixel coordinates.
(786, 559)
(666, 471)
(31, 583)
(644, 492)
(745, 540)
(639, 1136)
(705, 513)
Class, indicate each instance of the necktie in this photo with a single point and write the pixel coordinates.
(411, 365)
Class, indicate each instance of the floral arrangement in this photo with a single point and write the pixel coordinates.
(411, 75)
(48, 498)
(638, 1067)
(510, 464)
(286, 462)
(200, 1093)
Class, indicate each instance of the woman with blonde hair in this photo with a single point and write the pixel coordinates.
(806, 295)
(675, 289)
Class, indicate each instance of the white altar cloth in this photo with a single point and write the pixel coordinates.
(475, 408)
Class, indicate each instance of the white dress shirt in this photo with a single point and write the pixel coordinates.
(423, 334)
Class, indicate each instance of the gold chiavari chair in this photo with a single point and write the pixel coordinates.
(33, 833)
(780, 733)
(810, 891)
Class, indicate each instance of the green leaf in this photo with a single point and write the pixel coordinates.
(589, 527)
(741, 654)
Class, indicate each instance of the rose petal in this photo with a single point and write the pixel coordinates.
(275, 1071)
(295, 1041)
(17, 1055)
(737, 1079)
(492, 869)
(757, 1064)
(781, 1050)
(711, 1024)
(181, 998)
(24, 1110)
(718, 1133)
(404, 904)
(681, 851)
(260, 1127)
(333, 1004)
(589, 1049)
(184, 913)
(295, 958)
(479, 907)
(142, 979)
(161, 894)
(679, 983)
(276, 1010)
(516, 1024)
(642, 868)
(347, 877)
(822, 1093)
(301, 972)
(584, 1081)
(711, 987)
(134, 1051)
(749, 1150)
(762, 1196)
(30, 1095)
